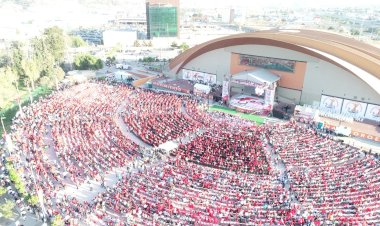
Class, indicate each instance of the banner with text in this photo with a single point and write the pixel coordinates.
(226, 91)
(197, 76)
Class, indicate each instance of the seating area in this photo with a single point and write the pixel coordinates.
(225, 170)
(183, 193)
(158, 117)
(69, 138)
(179, 85)
(334, 179)
(300, 146)
(236, 151)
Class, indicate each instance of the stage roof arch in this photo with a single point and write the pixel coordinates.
(361, 59)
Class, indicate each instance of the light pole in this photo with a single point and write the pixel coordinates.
(2, 123)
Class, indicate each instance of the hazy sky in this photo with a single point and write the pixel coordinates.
(278, 3)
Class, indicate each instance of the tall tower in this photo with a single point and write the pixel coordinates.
(162, 18)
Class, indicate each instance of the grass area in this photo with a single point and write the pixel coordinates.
(258, 119)
(10, 109)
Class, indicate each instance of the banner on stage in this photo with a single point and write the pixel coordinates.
(373, 112)
(197, 76)
(354, 108)
(225, 91)
(331, 104)
(269, 97)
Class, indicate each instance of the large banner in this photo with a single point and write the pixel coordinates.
(268, 62)
(354, 108)
(197, 76)
(373, 112)
(331, 104)
(269, 97)
(226, 91)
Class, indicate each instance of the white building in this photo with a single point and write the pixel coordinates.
(112, 38)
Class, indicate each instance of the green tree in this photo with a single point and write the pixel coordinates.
(87, 62)
(77, 41)
(354, 31)
(174, 45)
(136, 43)
(6, 209)
(3, 190)
(55, 42)
(8, 76)
(184, 46)
(111, 60)
(5, 60)
(17, 58)
(32, 71)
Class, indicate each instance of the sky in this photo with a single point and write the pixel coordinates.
(278, 3)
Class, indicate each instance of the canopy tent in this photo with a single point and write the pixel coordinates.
(258, 76)
(202, 88)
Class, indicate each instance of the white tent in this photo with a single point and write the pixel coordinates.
(202, 88)
(259, 76)
(120, 75)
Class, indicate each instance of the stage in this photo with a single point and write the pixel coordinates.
(249, 104)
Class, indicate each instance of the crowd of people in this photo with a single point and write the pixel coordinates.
(225, 171)
(158, 117)
(69, 138)
(333, 178)
(236, 151)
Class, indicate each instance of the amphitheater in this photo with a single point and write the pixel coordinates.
(110, 154)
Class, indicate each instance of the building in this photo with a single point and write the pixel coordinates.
(315, 68)
(162, 18)
(123, 38)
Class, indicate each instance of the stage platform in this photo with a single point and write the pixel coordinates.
(249, 104)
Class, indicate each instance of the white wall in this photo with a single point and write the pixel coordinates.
(321, 77)
(113, 38)
(325, 78)
(213, 62)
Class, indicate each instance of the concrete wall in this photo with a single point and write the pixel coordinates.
(325, 78)
(320, 77)
(214, 62)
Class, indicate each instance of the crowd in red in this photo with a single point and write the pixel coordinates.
(237, 151)
(158, 117)
(184, 193)
(68, 138)
(225, 171)
(335, 179)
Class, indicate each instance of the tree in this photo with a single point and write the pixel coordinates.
(55, 42)
(354, 31)
(6, 209)
(87, 62)
(32, 71)
(5, 60)
(17, 57)
(184, 46)
(110, 60)
(136, 43)
(174, 45)
(3, 190)
(77, 41)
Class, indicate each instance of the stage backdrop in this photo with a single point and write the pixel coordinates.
(331, 104)
(198, 76)
(292, 73)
